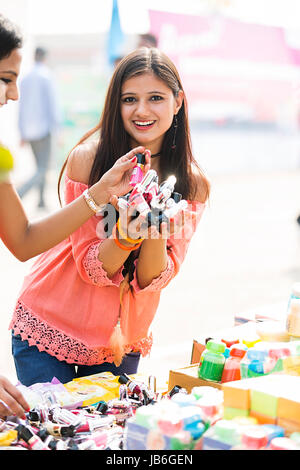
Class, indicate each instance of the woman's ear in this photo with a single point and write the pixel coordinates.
(178, 101)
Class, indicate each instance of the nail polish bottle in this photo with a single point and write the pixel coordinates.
(137, 172)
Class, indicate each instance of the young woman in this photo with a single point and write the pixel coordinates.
(88, 303)
(27, 239)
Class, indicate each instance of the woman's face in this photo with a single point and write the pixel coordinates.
(9, 72)
(148, 106)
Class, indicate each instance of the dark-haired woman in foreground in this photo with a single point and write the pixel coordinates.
(88, 303)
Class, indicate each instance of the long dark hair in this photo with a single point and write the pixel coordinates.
(10, 37)
(114, 140)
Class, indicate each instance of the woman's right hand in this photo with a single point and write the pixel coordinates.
(12, 401)
(116, 180)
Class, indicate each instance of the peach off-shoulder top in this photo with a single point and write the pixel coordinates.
(69, 307)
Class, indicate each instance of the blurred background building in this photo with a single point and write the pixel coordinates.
(239, 61)
(240, 65)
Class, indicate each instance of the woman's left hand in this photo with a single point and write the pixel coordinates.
(179, 226)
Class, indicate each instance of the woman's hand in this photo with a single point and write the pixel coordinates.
(12, 401)
(180, 225)
(116, 180)
(130, 223)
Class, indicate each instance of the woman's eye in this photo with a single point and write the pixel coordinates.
(156, 98)
(5, 80)
(128, 99)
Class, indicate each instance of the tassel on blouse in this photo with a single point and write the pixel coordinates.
(117, 343)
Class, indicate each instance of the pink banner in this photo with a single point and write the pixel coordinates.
(231, 69)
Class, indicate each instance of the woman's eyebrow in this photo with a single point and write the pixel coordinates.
(148, 92)
(11, 72)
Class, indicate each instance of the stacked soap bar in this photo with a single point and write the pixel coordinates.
(270, 357)
(238, 434)
(177, 423)
(271, 399)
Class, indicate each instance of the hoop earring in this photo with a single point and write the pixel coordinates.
(175, 125)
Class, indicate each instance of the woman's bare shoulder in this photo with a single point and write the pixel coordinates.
(81, 160)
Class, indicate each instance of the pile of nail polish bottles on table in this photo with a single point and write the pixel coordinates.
(249, 414)
(57, 419)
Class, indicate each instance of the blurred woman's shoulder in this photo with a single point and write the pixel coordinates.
(81, 160)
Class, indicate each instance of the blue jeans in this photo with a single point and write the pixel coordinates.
(34, 366)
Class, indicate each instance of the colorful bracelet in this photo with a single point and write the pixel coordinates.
(126, 238)
(119, 244)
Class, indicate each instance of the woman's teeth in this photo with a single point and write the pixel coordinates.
(143, 123)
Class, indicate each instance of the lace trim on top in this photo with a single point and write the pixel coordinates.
(56, 343)
(157, 283)
(94, 268)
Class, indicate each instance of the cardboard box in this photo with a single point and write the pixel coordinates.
(187, 377)
(197, 350)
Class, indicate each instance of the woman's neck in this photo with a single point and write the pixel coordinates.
(155, 164)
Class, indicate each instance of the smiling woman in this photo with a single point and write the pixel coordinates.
(102, 321)
(148, 110)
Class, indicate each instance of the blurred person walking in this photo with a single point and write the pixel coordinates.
(147, 40)
(39, 117)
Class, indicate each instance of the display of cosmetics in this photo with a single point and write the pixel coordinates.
(159, 203)
(195, 422)
(220, 363)
(49, 426)
(175, 420)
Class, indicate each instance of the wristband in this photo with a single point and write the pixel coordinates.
(119, 244)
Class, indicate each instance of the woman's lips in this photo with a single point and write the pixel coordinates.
(143, 125)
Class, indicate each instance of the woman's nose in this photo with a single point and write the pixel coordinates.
(142, 108)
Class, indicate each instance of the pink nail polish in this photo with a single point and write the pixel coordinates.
(137, 172)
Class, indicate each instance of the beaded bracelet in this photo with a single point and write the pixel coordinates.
(126, 238)
(119, 244)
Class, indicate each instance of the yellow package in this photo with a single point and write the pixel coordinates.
(8, 437)
(94, 388)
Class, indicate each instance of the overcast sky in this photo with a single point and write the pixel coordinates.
(94, 15)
